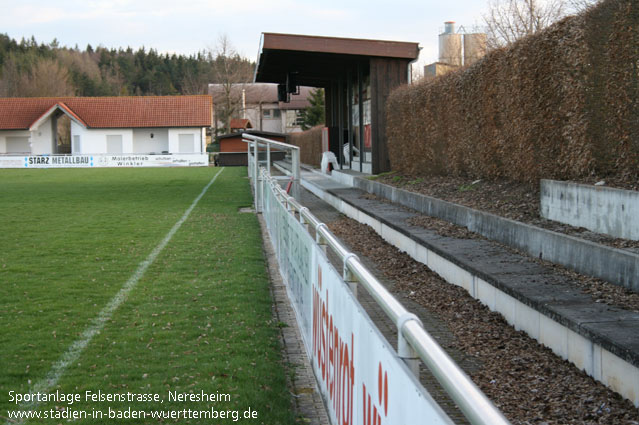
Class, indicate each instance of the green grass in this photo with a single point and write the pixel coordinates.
(198, 320)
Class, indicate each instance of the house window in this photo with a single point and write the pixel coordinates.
(187, 143)
(76, 144)
(114, 143)
(271, 113)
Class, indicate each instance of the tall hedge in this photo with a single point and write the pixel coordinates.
(563, 103)
(310, 143)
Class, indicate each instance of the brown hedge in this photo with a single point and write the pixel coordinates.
(562, 104)
(310, 143)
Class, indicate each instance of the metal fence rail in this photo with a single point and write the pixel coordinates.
(254, 144)
(414, 342)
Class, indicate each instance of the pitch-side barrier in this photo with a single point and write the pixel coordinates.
(362, 378)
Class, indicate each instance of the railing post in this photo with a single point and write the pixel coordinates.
(348, 276)
(303, 220)
(248, 160)
(404, 350)
(318, 237)
(255, 176)
(295, 165)
(268, 158)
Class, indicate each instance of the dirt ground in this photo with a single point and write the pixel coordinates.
(513, 200)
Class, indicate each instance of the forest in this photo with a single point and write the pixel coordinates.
(29, 69)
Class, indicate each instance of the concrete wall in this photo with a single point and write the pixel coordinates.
(144, 143)
(613, 265)
(614, 212)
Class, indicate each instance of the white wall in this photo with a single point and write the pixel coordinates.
(174, 139)
(42, 139)
(144, 143)
(94, 140)
(5, 134)
(137, 140)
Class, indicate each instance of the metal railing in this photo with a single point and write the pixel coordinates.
(254, 144)
(414, 342)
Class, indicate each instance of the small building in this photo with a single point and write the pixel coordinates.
(357, 75)
(259, 103)
(233, 151)
(148, 125)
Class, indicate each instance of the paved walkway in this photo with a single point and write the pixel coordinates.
(308, 405)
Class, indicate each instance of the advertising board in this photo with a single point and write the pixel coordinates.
(104, 160)
(361, 378)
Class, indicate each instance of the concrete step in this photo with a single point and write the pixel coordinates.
(599, 339)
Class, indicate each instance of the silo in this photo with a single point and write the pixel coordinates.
(450, 45)
(474, 47)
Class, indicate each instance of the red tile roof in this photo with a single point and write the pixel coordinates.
(111, 112)
(240, 123)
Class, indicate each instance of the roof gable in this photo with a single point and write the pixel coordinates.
(58, 106)
(110, 112)
(240, 124)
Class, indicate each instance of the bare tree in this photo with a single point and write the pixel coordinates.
(194, 84)
(581, 5)
(10, 79)
(47, 78)
(510, 20)
(231, 71)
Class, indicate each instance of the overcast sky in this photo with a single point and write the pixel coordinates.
(189, 26)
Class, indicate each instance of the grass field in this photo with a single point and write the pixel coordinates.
(198, 319)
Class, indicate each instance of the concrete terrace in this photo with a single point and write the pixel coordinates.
(599, 339)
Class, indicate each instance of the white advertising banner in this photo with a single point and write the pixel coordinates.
(361, 378)
(104, 160)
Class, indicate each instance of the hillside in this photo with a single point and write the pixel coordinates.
(29, 68)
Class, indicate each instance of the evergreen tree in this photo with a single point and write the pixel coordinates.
(314, 114)
(109, 72)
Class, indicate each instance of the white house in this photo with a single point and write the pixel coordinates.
(143, 125)
(258, 103)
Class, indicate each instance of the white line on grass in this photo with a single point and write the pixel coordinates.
(78, 346)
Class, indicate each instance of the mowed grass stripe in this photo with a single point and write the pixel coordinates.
(199, 319)
(77, 347)
(69, 239)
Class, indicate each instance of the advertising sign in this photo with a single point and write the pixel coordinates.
(104, 160)
(361, 378)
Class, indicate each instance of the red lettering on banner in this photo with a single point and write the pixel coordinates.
(333, 357)
(374, 417)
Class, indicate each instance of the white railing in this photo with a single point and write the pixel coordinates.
(414, 342)
(254, 145)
